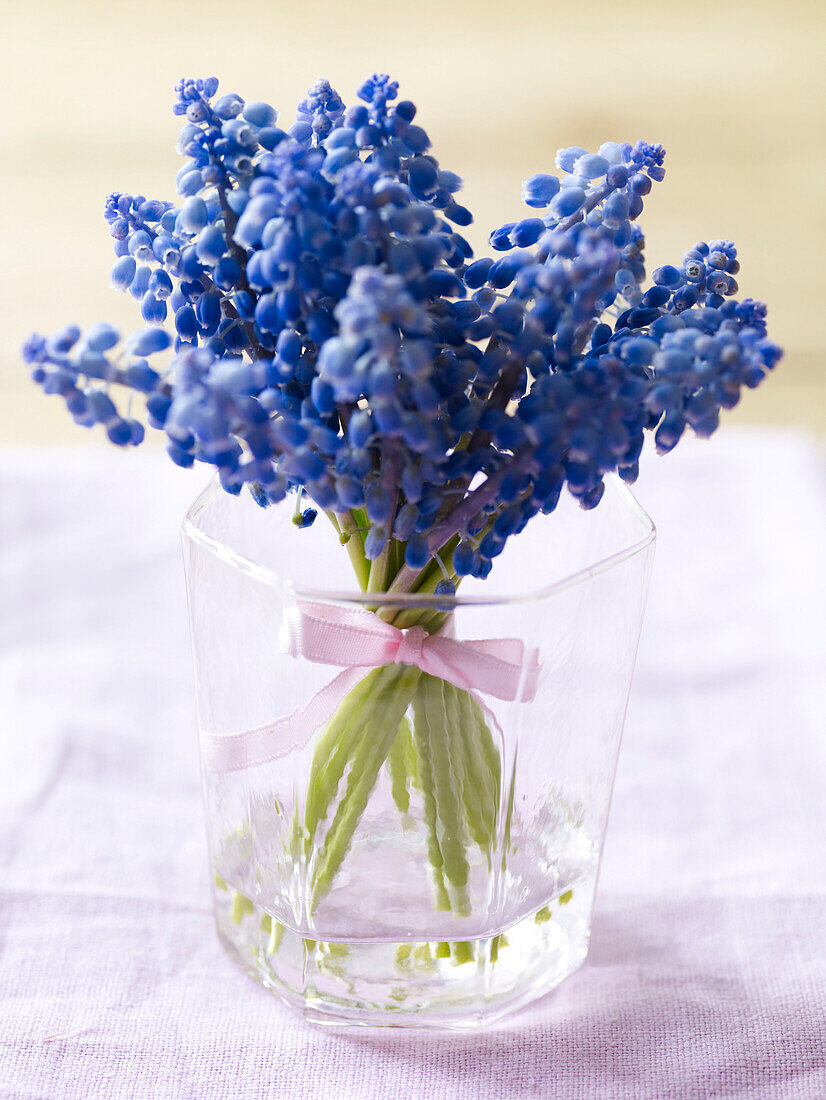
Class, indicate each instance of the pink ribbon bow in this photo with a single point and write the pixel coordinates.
(357, 639)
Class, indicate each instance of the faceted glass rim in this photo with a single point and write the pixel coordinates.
(263, 574)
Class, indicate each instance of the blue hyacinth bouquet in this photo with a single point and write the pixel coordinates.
(333, 339)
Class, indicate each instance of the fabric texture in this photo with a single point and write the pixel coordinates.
(707, 972)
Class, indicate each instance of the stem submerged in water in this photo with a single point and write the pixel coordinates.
(445, 756)
(380, 717)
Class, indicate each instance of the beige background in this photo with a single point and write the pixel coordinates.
(735, 91)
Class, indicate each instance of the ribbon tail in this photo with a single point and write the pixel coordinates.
(236, 751)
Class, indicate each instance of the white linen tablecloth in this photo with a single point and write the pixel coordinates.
(707, 974)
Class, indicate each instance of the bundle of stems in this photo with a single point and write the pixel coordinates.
(432, 737)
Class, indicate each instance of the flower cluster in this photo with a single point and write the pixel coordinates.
(333, 336)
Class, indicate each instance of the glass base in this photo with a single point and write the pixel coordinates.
(411, 983)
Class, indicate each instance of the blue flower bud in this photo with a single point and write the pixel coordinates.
(443, 283)
(237, 200)
(463, 558)
(355, 116)
(189, 183)
(157, 407)
(669, 432)
(244, 305)
(323, 396)
(153, 310)
(208, 311)
(140, 245)
(152, 210)
(567, 158)
(166, 251)
(78, 405)
(226, 273)
(717, 282)
(305, 518)
(101, 407)
(260, 114)
(639, 351)
(617, 175)
(538, 190)
(178, 455)
(601, 335)
(527, 232)
(186, 322)
(238, 132)
(193, 216)
(119, 229)
(140, 376)
(60, 382)
(685, 298)
(360, 428)
(423, 175)
(481, 329)
(140, 284)
(100, 337)
(148, 341)
(342, 138)
(337, 159)
(375, 542)
(267, 314)
(168, 220)
(568, 201)
(459, 215)
(288, 346)
(656, 296)
(416, 554)
(269, 137)
(379, 504)
(639, 183)
(258, 211)
(228, 106)
(405, 522)
(123, 272)
(301, 132)
(591, 166)
(502, 273)
(94, 364)
(387, 416)
(160, 284)
(416, 139)
(467, 312)
(119, 432)
(668, 276)
(210, 246)
(615, 210)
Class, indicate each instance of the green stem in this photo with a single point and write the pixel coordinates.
(478, 792)
(347, 526)
(398, 758)
(421, 741)
(379, 570)
(379, 732)
(449, 755)
(337, 744)
(434, 719)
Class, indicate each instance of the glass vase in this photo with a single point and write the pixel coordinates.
(408, 832)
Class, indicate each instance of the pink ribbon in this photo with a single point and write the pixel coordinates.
(356, 639)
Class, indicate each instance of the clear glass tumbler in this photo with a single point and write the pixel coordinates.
(391, 845)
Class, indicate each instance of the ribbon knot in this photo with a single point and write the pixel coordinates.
(411, 646)
(357, 640)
